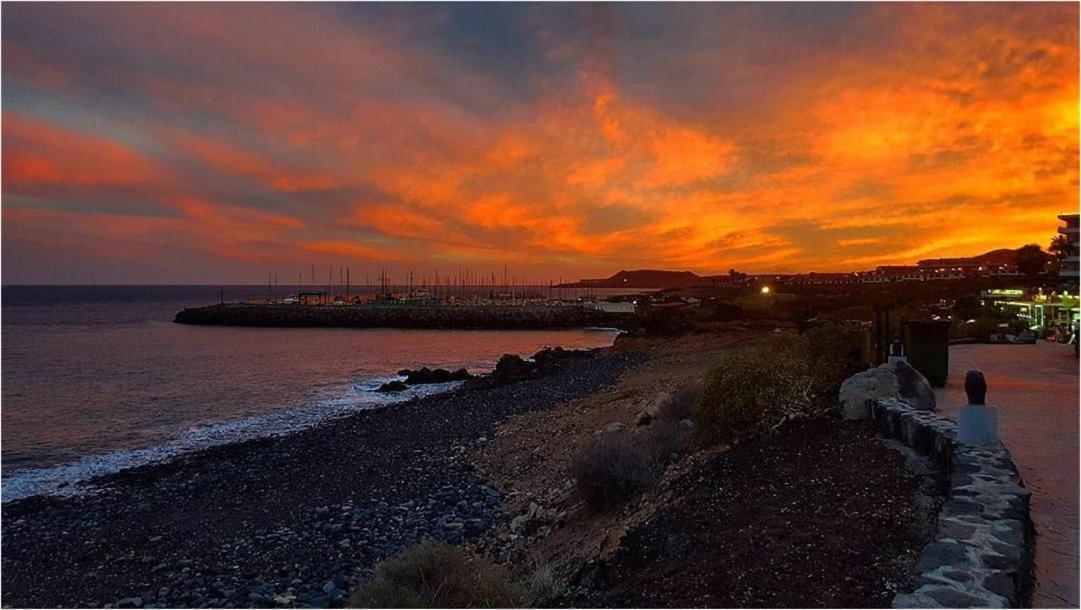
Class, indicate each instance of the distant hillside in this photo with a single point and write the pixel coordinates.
(656, 278)
(1001, 256)
(643, 278)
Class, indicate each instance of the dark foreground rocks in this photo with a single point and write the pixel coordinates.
(289, 521)
(822, 515)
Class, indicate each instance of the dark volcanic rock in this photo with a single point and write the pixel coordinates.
(426, 375)
(552, 356)
(393, 386)
(512, 368)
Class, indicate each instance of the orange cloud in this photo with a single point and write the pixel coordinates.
(39, 153)
(397, 221)
(684, 155)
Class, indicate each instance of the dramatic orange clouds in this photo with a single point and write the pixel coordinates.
(567, 141)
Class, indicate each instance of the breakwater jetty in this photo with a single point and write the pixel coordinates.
(486, 317)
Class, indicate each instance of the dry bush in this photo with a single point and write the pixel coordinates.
(754, 388)
(437, 575)
(541, 586)
(664, 441)
(834, 353)
(613, 469)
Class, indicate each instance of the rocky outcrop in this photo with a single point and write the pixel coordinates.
(425, 375)
(392, 386)
(894, 380)
(512, 368)
(982, 553)
(552, 356)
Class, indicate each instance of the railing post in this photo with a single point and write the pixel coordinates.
(977, 422)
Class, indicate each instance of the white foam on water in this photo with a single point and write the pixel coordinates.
(327, 403)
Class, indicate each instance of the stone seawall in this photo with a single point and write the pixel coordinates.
(982, 553)
(455, 317)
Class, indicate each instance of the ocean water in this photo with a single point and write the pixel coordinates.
(97, 379)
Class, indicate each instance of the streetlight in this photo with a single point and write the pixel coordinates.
(764, 290)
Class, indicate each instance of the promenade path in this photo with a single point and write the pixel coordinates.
(1035, 388)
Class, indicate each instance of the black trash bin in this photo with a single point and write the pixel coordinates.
(927, 344)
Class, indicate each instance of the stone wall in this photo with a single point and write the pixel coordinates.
(982, 553)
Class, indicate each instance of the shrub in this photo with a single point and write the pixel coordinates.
(754, 388)
(436, 575)
(663, 439)
(834, 353)
(612, 470)
(541, 586)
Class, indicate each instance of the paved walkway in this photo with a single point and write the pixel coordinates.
(1035, 388)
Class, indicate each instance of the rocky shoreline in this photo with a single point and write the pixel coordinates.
(292, 521)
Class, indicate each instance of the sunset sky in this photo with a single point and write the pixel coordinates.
(215, 143)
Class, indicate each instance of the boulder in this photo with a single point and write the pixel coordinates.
(653, 409)
(424, 375)
(461, 375)
(894, 380)
(393, 386)
(511, 368)
(534, 516)
(614, 427)
(552, 356)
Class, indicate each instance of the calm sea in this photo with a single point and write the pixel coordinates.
(97, 379)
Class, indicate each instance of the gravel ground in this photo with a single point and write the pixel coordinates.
(822, 515)
(289, 521)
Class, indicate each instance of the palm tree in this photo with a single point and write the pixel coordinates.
(1060, 246)
(1059, 250)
